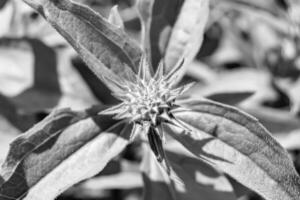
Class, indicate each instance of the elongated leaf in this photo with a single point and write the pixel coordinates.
(198, 181)
(164, 15)
(65, 148)
(257, 5)
(240, 146)
(275, 120)
(187, 35)
(177, 30)
(157, 183)
(230, 98)
(91, 35)
(145, 8)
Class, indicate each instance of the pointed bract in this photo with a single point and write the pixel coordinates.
(113, 110)
(160, 71)
(173, 75)
(115, 18)
(144, 69)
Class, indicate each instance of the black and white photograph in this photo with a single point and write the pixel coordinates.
(149, 99)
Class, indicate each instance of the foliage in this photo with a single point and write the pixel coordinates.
(191, 147)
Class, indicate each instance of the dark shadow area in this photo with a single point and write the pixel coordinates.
(2, 3)
(45, 92)
(195, 147)
(16, 186)
(98, 88)
(164, 15)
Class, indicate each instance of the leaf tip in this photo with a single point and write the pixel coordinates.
(115, 17)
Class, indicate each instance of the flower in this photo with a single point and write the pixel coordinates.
(147, 101)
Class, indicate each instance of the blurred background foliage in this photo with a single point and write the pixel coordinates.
(249, 59)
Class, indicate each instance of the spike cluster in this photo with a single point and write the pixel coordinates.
(147, 98)
(146, 101)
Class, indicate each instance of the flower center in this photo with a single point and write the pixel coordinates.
(145, 101)
(145, 98)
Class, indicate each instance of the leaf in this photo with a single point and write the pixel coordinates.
(145, 8)
(164, 15)
(40, 77)
(62, 150)
(230, 98)
(275, 120)
(267, 6)
(45, 92)
(15, 54)
(6, 9)
(187, 35)
(157, 183)
(125, 180)
(239, 145)
(99, 89)
(2, 3)
(7, 134)
(197, 180)
(290, 141)
(76, 92)
(118, 174)
(201, 181)
(115, 18)
(102, 45)
(9, 111)
(171, 36)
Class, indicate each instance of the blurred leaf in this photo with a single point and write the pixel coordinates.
(118, 174)
(239, 81)
(271, 6)
(187, 35)
(239, 145)
(171, 36)
(145, 8)
(16, 66)
(43, 162)
(40, 77)
(277, 121)
(200, 180)
(290, 141)
(99, 89)
(230, 98)
(45, 92)
(125, 180)
(2, 3)
(7, 134)
(157, 183)
(164, 15)
(10, 112)
(115, 18)
(102, 45)
(201, 72)
(6, 14)
(76, 92)
(196, 180)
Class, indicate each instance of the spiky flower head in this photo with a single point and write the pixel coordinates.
(147, 100)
